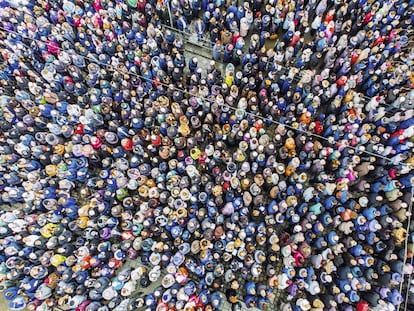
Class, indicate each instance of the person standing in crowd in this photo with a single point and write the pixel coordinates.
(199, 28)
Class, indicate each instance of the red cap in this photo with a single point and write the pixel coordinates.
(392, 173)
(156, 140)
(362, 306)
(79, 129)
(127, 144)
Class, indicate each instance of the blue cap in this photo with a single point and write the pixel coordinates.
(178, 259)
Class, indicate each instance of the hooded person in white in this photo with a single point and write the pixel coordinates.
(321, 8)
(316, 22)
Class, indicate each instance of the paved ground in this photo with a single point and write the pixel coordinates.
(3, 304)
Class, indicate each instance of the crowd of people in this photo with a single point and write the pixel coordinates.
(287, 178)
